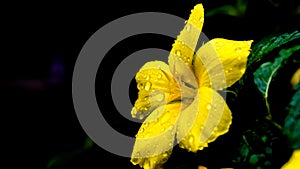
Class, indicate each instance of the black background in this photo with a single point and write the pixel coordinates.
(39, 121)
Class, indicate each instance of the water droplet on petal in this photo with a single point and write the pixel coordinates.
(134, 160)
(188, 27)
(171, 127)
(141, 130)
(239, 58)
(191, 139)
(160, 97)
(201, 19)
(178, 53)
(243, 70)
(148, 77)
(148, 86)
(140, 86)
(141, 116)
(159, 76)
(238, 49)
(208, 106)
(165, 155)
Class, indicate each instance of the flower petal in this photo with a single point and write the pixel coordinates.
(155, 138)
(203, 121)
(221, 62)
(294, 161)
(187, 40)
(156, 87)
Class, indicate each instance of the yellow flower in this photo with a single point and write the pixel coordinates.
(294, 161)
(181, 98)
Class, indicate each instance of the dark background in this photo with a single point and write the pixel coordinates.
(41, 42)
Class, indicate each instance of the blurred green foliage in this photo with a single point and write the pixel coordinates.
(292, 122)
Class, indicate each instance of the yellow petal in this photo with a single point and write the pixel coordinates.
(294, 161)
(155, 138)
(203, 121)
(221, 62)
(156, 87)
(185, 78)
(186, 42)
(296, 78)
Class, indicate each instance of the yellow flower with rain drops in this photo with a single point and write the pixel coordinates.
(180, 99)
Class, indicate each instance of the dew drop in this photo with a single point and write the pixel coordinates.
(148, 86)
(160, 97)
(238, 49)
(165, 155)
(188, 27)
(243, 71)
(141, 116)
(148, 77)
(140, 86)
(178, 53)
(191, 139)
(141, 130)
(239, 58)
(134, 160)
(201, 19)
(159, 76)
(208, 106)
(171, 127)
(181, 146)
(134, 112)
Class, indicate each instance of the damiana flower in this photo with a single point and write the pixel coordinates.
(181, 98)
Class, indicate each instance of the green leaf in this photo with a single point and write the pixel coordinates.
(263, 48)
(292, 122)
(61, 159)
(236, 10)
(267, 71)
